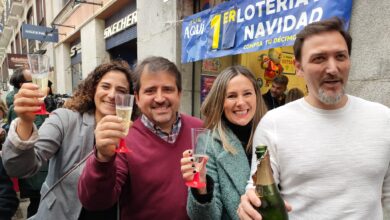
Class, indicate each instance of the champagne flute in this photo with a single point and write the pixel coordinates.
(124, 108)
(39, 67)
(199, 140)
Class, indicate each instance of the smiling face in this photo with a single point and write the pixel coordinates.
(277, 90)
(159, 98)
(240, 101)
(325, 65)
(111, 83)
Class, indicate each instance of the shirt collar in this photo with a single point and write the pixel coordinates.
(171, 138)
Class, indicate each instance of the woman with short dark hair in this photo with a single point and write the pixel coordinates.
(66, 139)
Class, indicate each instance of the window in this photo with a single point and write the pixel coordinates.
(30, 20)
(41, 15)
(41, 12)
(24, 44)
(12, 47)
(17, 43)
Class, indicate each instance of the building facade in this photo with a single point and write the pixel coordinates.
(13, 46)
(92, 32)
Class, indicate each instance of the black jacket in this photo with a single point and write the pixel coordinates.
(272, 102)
(8, 200)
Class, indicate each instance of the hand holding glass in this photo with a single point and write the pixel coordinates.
(39, 67)
(124, 108)
(199, 140)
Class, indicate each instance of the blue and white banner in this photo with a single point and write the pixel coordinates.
(239, 26)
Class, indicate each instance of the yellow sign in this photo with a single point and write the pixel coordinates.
(287, 61)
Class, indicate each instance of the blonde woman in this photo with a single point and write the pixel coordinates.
(232, 111)
(294, 94)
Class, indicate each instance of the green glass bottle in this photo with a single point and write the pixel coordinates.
(272, 205)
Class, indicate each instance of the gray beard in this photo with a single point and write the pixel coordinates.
(330, 100)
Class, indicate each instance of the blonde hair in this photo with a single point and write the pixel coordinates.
(212, 107)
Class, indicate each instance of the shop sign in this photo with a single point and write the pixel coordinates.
(236, 27)
(17, 60)
(74, 50)
(288, 62)
(40, 33)
(121, 25)
(211, 65)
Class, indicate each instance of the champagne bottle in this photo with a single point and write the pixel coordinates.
(272, 205)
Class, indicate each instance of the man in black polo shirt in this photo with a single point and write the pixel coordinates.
(275, 96)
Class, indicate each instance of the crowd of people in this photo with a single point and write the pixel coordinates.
(327, 148)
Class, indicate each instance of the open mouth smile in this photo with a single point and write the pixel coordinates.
(241, 113)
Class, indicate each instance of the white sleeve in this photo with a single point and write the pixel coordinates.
(17, 142)
(386, 195)
(386, 184)
(264, 135)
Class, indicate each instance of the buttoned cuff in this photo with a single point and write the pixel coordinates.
(17, 142)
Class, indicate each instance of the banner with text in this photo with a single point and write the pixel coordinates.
(237, 27)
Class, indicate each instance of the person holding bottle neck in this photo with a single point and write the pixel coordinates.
(337, 166)
(231, 111)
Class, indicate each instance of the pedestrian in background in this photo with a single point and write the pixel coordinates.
(294, 94)
(3, 122)
(8, 200)
(20, 76)
(276, 97)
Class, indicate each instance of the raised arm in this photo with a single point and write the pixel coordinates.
(105, 173)
(19, 156)
(26, 102)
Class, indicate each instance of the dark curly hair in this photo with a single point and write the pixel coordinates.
(83, 97)
(17, 78)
